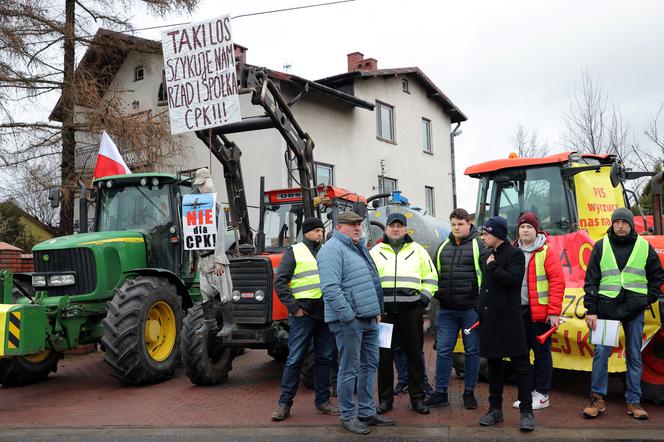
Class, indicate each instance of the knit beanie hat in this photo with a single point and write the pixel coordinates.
(529, 218)
(497, 226)
(623, 214)
(310, 224)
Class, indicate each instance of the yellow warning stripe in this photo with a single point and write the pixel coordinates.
(14, 330)
(3, 321)
(105, 241)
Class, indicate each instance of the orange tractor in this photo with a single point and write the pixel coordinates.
(574, 195)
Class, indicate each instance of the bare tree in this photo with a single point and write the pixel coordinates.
(526, 143)
(656, 135)
(593, 126)
(38, 44)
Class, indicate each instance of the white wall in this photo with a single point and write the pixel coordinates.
(345, 136)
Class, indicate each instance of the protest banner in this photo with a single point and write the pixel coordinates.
(199, 221)
(201, 83)
(595, 207)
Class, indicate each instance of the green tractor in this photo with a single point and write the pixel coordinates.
(126, 285)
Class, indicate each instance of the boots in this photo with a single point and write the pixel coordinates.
(208, 314)
(229, 320)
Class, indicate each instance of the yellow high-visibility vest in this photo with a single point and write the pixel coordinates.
(632, 277)
(305, 283)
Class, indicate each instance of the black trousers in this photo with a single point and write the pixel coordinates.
(521, 365)
(408, 326)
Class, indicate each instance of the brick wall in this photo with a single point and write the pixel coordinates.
(14, 259)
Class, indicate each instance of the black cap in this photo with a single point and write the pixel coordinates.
(395, 216)
(496, 226)
(310, 224)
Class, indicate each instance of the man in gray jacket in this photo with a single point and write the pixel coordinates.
(352, 295)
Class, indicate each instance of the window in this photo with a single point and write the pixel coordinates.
(429, 200)
(426, 136)
(404, 85)
(162, 98)
(324, 174)
(138, 73)
(385, 122)
(386, 185)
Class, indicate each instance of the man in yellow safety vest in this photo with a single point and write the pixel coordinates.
(297, 284)
(408, 279)
(623, 278)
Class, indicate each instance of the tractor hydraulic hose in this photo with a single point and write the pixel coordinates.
(656, 193)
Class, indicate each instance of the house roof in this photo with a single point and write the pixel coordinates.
(108, 50)
(432, 90)
(103, 58)
(25, 215)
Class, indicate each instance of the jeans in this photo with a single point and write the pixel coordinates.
(600, 376)
(543, 366)
(448, 324)
(357, 342)
(303, 330)
(521, 365)
(408, 326)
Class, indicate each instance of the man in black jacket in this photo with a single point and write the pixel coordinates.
(502, 333)
(458, 264)
(298, 286)
(623, 278)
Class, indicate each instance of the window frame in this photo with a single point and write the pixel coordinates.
(430, 192)
(427, 149)
(379, 126)
(325, 165)
(140, 68)
(405, 86)
(381, 185)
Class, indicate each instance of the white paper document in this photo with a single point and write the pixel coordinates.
(607, 333)
(385, 334)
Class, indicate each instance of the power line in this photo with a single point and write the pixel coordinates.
(251, 14)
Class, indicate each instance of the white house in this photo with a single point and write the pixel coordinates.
(374, 129)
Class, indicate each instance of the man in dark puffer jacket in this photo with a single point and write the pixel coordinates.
(458, 260)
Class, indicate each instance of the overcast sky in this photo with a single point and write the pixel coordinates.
(504, 63)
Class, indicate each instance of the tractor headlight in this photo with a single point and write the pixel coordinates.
(38, 281)
(259, 295)
(61, 280)
(236, 295)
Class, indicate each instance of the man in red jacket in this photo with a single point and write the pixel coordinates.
(541, 300)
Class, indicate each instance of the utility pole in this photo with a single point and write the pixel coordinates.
(455, 133)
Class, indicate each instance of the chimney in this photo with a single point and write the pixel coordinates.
(354, 60)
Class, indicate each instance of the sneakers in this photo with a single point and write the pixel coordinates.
(437, 400)
(401, 388)
(492, 417)
(539, 401)
(597, 406)
(327, 408)
(636, 411)
(281, 413)
(469, 401)
(527, 422)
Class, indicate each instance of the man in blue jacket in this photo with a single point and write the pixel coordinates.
(353, 300)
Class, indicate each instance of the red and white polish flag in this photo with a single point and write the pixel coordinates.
(109, 160)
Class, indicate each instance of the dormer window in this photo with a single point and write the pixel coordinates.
(139, 72)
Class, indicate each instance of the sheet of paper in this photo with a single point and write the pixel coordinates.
(606, 333)
(385, 334)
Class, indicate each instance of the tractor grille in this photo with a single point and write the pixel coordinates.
(80, 260)
(250, 275)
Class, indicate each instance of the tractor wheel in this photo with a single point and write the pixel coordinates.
(142, 331)
(24, 370)
(206, 363)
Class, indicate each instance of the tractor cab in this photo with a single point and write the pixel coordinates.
(284, 212)
(566, 191)
(145, 203)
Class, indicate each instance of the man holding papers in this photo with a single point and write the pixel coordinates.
(624, 276)
(409, 279)
(353, 301)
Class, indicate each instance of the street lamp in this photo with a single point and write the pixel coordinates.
(455, 133)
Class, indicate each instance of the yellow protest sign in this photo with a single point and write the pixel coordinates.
(596, 199)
